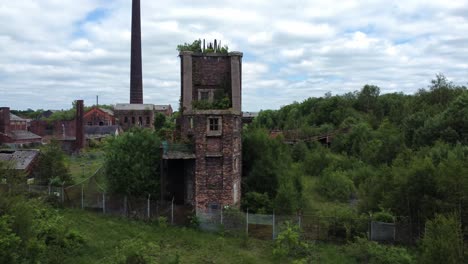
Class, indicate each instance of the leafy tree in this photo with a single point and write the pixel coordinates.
(335, 185)
(443, 241)
(256, 202)
(132, 163)
(52, 165)
(159, 120)
(367, 98)
(267, 168)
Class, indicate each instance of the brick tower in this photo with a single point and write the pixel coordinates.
(136, 75)
(208, 176)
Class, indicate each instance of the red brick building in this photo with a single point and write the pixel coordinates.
(99, 117)
(14, 129)
(207, 172)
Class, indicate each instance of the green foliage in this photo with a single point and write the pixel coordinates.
(10, 243)
(52, 165)
(443, 241)
(222, 103)
(194, 47)
(30, 232)
(383, 216)
(373, 253)
(110, 239)
(9, 175)
(268, 168)
(288, 243)
(132, 163)
(159, 121)
(335, 185)
(257, 203)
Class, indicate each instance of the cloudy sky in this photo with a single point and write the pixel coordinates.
(55, 51)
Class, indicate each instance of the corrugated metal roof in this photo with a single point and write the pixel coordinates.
(16, 118)
(21, 158)
(161, 107)
(23, 135)
(126, 107)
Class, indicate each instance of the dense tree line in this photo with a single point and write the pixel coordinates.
(407, 154)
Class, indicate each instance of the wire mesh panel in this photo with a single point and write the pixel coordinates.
(281, 222)
(39, 189)
(260, 226)
(4, 188)
(234, 222)
(403, 231)
(115, 204)
(137, 207)
(72, 196)
(381, 231)
(209, 220)
(313, 228)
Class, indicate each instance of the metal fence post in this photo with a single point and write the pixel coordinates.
(148, 206)
(125, 205)
(221, 215)
(82, 196)
(49, 189)
(172, 211)
(273, 224)
(63, 193)
(299, 220)
(247, 223)
(103, 203)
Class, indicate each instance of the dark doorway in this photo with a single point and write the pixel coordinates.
(179, 181)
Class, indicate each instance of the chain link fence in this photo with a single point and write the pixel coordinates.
(90, 196)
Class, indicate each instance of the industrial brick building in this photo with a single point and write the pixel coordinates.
(14, 130)
(206, 173)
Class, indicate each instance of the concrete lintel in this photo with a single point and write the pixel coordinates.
(213, 112)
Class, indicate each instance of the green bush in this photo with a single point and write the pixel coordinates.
(34, 233)
(10, 250)
(443, 241)
(364, 251)
(336, 186)
(257, 203)
(383, 216)
(288, 243)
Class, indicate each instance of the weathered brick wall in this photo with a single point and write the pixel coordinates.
(97, 117)
(216, 175)
(210, 72)
(136, 114)
(4, 120)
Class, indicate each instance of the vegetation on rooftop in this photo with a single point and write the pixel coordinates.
(197, 47)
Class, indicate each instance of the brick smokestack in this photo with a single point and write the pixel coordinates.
(136, 75)
(4, 120)
(79, 125)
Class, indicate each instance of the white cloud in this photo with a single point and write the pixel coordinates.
(54, 52)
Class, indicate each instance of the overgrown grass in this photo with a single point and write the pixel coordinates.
(104, 236)
(85, 164)
(315, 204)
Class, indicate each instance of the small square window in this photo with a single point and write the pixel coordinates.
(214, 124)
(204, 96)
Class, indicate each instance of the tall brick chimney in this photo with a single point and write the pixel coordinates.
(79, 125)
(4, 120)
(136, 75)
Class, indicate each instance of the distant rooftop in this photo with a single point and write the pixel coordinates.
(16, 118)
(161, 107)
(23, 135)
(120, 107)
(21, 158)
